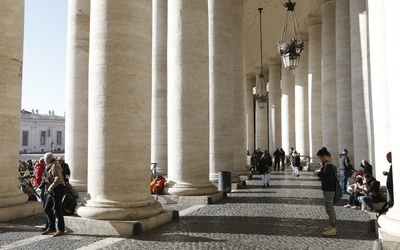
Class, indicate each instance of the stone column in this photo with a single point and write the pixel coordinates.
(314, 83)
(261, 122)
(76, 92)
(239, 80)
(287, 100)
(343, 78)
(11, 44)
(221, 91)
(119, 112)
(275, 131)
(188, 99)
(390, 223)
(379, 87)
(159, 138)
(329, 107)
(301, 102)
(249, 108)
(359, 82)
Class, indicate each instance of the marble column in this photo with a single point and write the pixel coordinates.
(119, 112)
(221, 91)
(159, 129)
(379, 87)
(301, 102)
(359, 82)
(390, 223)
(275, 131)
(188, 99)
(314, 83)
(261, 127)
(11, 53)
(239, 80)
(343, 78)
(249, 109)
(329, 107)
(287, 109)
(76, 92)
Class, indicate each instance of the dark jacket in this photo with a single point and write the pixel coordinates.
(295, 158)
(328, 176)
(367, 168)
(389, 180)
(277, 155)
(344, 162)
(262, 165)
(372, 187)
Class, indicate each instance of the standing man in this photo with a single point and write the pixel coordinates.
(344, 168)
(282, 158)
(65, 168)
(328, 177)
(55, 190)
(389, 180)
(277, 159)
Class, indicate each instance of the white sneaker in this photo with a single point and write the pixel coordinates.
(347, 206)
(355, 207)
(331, 231)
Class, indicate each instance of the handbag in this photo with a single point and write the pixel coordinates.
(338, 193)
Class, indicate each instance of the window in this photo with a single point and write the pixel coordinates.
(58, 137)
(25, 135)
(42, 137)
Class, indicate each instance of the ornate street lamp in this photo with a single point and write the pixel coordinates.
(290, 51)
(261, 95)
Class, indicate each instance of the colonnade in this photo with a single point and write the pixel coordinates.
(195, 119)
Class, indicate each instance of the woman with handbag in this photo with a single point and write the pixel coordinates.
(55, 190)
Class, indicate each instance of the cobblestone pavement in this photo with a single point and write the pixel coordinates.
(288, 215)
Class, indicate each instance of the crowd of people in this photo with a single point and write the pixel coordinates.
(50, 177)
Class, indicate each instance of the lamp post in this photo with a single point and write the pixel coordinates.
(290, 51)
(261, 95)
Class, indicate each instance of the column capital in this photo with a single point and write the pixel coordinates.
(274, 62)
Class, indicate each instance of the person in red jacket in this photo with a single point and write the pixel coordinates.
(38, 172)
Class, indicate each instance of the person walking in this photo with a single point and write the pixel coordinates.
(55, 190)
(264, 167)
(295, 158)
(328, 176)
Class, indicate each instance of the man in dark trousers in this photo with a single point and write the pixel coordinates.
(328, 176)
(389, 180)
(277, 159)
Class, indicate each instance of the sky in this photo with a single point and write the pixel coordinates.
(44, 59)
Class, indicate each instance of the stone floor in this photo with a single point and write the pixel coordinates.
(288, 215)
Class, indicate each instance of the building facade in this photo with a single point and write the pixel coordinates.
(42, 133)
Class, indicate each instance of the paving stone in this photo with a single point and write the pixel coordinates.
(288, 215)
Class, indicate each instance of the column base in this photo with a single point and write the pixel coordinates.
(389, 230)
(83, 226)
(26, 209)
(190, 200)
(190, 190)
(119, 213)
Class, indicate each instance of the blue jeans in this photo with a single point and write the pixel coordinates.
(330, 210)
(53, 208)
(343, 181)
(366, 200)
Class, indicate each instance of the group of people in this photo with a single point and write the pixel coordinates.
(51, 177)
(262, 163)
(365, 190)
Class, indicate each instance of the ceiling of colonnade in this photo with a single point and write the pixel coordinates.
(273, 16)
